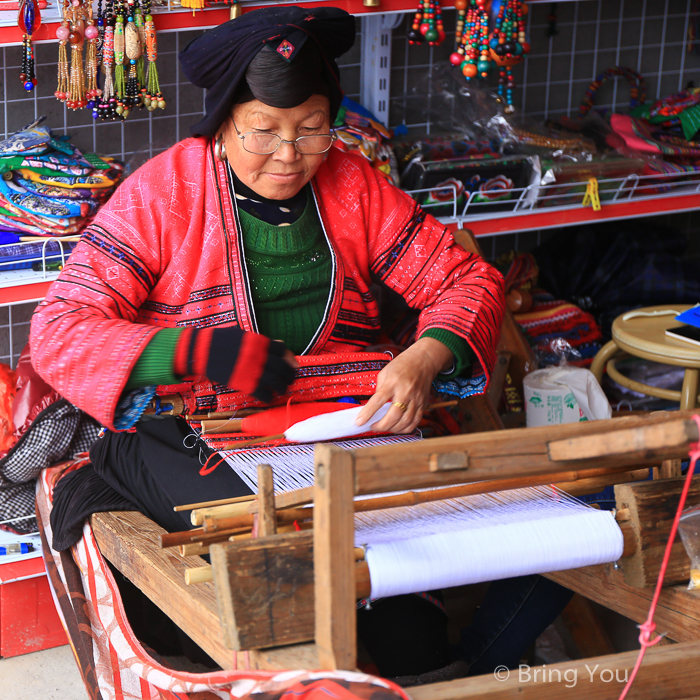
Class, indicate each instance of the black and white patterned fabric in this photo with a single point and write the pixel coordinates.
(60, 431)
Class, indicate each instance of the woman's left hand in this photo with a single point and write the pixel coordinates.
(405, 382)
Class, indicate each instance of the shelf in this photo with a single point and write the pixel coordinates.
(557, 217)
(176, 18)
(18, 286)
(555, 206)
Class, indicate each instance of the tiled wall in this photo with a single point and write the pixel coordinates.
(648, 36)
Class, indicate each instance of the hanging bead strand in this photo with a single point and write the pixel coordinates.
(62, 33)
(414, 35)
(132, 96)
(457, 56)
(28, 20)
(76, 83)
(119, 57)
(508, 46)
(154, 97)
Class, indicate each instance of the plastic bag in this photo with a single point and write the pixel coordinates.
(563, 394)
(449, 104)
(526, 137)
(689, 528)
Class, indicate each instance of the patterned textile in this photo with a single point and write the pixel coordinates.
(59, 431)
(639, 136)
(166, 251)
(552, 318)
(115, 665)
(318, 377)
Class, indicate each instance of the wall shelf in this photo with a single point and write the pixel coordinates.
(559, 217)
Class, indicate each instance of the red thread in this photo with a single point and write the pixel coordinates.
(204, 471)
(296, 525)
(647, 627)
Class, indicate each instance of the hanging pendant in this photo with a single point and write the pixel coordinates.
(28, 20)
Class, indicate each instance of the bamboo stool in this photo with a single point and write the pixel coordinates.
(645, 336)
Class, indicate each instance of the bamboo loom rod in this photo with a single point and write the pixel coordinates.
(220, 502)
(495, 450)
(234, 425)
(414, 497)
(587, 484)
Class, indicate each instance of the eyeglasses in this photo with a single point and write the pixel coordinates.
(263, 144)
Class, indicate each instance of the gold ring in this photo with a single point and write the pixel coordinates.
(403, 407)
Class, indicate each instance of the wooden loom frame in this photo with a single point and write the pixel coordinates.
(533, 453)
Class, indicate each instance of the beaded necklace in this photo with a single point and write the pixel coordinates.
(471, 44)
(508, 46)
(427, 24)
(477, 54)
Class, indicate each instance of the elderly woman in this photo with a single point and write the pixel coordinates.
(235, 251)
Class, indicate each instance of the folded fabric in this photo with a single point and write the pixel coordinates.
(52, 207)
(94, 181)
(31, 140)
(638, 136)
(53, 191)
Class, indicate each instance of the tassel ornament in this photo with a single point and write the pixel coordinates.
(133, 49)
(153, 98)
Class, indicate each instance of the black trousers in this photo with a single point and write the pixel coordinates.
(157, 468)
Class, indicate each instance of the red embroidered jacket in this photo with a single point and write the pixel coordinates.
(166, 251)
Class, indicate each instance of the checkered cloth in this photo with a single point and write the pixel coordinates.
(60, 431)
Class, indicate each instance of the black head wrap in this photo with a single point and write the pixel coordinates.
(217, 60)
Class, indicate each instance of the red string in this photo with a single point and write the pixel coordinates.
(204, 471)
(647, 627)
(289, 415)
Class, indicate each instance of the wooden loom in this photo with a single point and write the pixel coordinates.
(315, 580)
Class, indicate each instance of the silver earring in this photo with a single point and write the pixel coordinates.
(220, 149)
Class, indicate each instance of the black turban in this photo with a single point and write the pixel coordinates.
(217, 60)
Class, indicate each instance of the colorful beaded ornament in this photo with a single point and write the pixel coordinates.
(472, 39)
(508, 45)
(636, 81)
(427, 24)
(28, 20)
(477, 54)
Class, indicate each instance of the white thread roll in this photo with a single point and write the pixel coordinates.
(332, 426)
(493, 552)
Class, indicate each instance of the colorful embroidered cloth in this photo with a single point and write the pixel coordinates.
(166, 251)
(639, 136)
(552, 318)
(115, 665)
(48, 187)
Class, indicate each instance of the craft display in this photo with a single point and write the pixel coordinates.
(483, 44)
(49, 187)
(117, 40)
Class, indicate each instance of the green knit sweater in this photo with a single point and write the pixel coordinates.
(289, 268)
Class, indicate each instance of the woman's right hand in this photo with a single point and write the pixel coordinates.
(248, 362)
